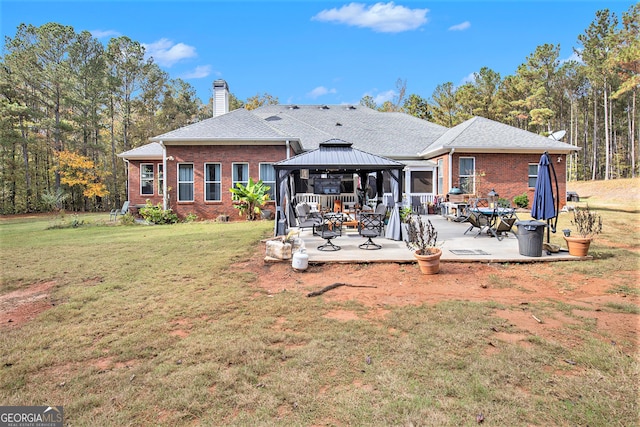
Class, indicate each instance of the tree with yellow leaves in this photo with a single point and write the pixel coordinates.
(79, 171)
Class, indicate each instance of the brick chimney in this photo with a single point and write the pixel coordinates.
(220, 98)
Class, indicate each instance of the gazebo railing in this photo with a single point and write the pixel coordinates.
(325, 201)
(322, 201)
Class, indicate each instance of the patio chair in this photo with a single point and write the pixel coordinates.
(506, 209)
(113, 215)
(306, 218)
(370, 226)
(478, 221)
(330, 228)
(503, 226)
(462, 216)
(416, 205)
(381, 209)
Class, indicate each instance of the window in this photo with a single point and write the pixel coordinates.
(160, 178)
(240, 174)
(421, 181)
(146, 178)
(185, 182)
(533, 174)
(468, 175)
(440, 188)
(268, 177)
(212, 182)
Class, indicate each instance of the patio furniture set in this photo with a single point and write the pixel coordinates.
(483, 214)
(329, 225)
(491, 217)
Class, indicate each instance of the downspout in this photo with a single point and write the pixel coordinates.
(127, 181)
(288, 147)
(164, 178)
(453, 150)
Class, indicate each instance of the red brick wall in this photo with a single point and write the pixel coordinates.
(508, 173)
(133, 190)
(226, 155)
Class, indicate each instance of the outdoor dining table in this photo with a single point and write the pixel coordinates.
(493, 217)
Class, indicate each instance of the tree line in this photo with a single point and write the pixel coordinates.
(69, 105)
(593, 99)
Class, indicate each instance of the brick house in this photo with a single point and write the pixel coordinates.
(191, 169)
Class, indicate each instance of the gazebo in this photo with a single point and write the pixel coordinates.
(336, 156)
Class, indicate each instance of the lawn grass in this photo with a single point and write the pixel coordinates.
(151, 326)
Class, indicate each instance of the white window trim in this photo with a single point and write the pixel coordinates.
(473, 174)
(192, 182)
(212, 182)
(160, 177)
(440, 177)
(529, 176)
(410, 181)
(233, 165)
(271, 184)
(153, 169)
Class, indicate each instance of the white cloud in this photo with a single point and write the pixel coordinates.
(575, 56)
(470, 78)
(166, 53)
(383, 97)
(380, 17)
(460, 27)
(100, 34)
(319, 91)
(199, 72)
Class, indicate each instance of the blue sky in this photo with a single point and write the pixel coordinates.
(330, 52)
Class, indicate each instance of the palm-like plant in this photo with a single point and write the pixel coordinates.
(249, 199)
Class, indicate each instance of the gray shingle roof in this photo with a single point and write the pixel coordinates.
(392, 135)
(479, 134)
(238, 124)
(152, 151)
(338, 154)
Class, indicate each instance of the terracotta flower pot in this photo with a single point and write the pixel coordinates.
(578, 246)
(430, 263)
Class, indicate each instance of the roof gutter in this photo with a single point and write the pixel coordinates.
(453, 150)
(164, 173)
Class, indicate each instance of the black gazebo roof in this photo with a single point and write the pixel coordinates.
(336, 155)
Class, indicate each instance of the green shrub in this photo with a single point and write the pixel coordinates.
(127, 219)
(191, 217)
(157, 215)
(521, 201)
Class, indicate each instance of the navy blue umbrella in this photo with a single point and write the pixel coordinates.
(545, 202)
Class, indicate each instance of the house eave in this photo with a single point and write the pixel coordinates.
(139, 157)
(482, 150)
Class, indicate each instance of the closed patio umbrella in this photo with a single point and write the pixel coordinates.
(545, 202)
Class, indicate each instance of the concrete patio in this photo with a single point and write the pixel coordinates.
(455, 245)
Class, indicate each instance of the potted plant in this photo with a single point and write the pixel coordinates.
(588, 224)
(405, 216)
(422, 239)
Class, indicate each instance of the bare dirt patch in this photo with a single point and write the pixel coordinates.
(22, 305)
(517, 286)
(383, 286)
